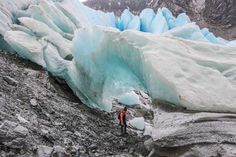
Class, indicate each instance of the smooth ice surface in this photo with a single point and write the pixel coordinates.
(130, 98)
(103, 58)
(137, 123)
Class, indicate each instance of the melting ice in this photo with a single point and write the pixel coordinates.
(103, 58)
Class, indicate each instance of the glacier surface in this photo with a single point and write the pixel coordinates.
(103, 58)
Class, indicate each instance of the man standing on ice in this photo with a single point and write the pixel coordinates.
(122, 118)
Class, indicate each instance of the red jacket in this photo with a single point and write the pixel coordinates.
(122, 116)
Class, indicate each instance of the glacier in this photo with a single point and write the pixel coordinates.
(102, 57)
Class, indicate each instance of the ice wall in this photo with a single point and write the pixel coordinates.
(186, 73)
(176, 61)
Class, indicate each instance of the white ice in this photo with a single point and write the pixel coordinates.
(137, 123)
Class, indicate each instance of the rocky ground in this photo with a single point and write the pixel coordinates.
(181, 133)
(41, 117)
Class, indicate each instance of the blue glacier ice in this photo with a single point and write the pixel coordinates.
(134, 23)
(181, 20)
(129, 99)
(169, 18)
(103, 58)
(159, 24)
(146, 17)
(125, 19)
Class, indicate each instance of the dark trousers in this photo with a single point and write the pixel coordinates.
(123, 128)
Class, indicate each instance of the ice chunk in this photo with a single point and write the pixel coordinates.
(134, 23)
(26, 46)
(42, 30)
(125, 19)
(57, 16)
(14, 5)
(137, 123)
(54, 62)
(129, 99)
(98, 17)
(19, 13)
(9, 9)
(205, 31)
(169, 17)
(159, 24)
(182, 19)
(189, 31)
(146, 17)
(15, 27)
(38, 14)
(212, 38)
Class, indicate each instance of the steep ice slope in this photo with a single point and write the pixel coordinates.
(108, 63)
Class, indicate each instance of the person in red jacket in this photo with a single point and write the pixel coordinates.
(122, 118)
